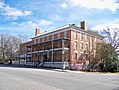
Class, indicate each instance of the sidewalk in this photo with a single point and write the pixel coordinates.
(43, 68)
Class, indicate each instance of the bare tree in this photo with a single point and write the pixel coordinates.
(9, 46)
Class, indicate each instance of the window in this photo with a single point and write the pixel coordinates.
(90, 38)
(53, 37)
(86, 37)
(86, 47)
(75, 56)
(34, 41)
(81, 57)
(75, 35)
(59, 43)
(81, 36)
(91, 46)
(95, 40)
(58, 35)
(81, 45)
(42, 39)
(65, 34)
(38, 40)
(86, 57)
(75, 45)
(47, 38)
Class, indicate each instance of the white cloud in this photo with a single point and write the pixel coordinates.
(1, 4)
(105, 26)
(97, 4)
(64, 5)
(12, 13)
(44, 23)
(27, 24)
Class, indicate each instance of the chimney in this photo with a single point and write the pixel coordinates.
(37, 32)
(83, 25)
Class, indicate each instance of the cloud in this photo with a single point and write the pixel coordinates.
(1, 4)
(105, 26)
(64, 5)
(44, 23)
(12, 13)
(111, 5)
(27, 24)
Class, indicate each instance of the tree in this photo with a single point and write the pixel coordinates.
(9, 46)
(108, 51)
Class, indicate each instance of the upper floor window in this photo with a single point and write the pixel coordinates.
(58, 35)
(86, 37)
(65, 34)
(81, 45)
(90, 38)
(34, 41)
(75, 45)
(47, 38)
(91, 46)
(81, 36)
(95, 40)
(86, 47)
(53, 37)
(38, 40)
(75, 35)
(42, 39)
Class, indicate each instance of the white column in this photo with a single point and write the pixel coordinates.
(63, 54)
(52, 52)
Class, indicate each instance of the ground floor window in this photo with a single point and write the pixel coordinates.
(75, 56)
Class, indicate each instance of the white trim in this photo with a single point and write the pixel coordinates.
(35, 52)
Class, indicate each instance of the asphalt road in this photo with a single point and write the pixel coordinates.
(21, 78)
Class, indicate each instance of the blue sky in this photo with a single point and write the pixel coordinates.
(22, 17)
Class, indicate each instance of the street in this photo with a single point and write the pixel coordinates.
(21, 78)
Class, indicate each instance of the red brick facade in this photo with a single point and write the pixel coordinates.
(50, 47)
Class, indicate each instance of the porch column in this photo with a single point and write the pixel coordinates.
(63, 54)
(52, 52)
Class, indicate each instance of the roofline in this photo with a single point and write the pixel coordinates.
(68, 26)
(26, 42)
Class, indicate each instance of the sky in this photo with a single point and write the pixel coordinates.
(22, 17)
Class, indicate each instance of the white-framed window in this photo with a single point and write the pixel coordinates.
(86, 37)
(53, 37)
(47, 38)
(75, 56)
(34, 41)
(86, 46)
(65, 34)
(95, 40)
(91, 46)
(81, 57)
(38, 40)
(90, 38)
(59, 44)
(86, 57)
(81, 45)
(58, 35)
(42, 39)
(75, 35)
(75, 45)
(81, 36)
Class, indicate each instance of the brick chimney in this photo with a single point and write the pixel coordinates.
(37, 32)
(83, 25)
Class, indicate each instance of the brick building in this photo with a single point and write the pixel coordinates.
(68, 46)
